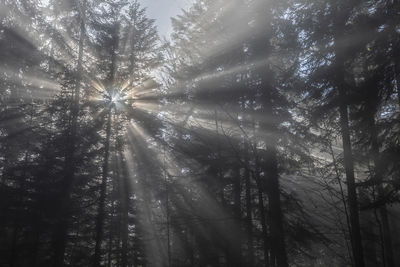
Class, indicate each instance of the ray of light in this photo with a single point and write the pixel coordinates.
(208, 212)
(26, 29)
(231, 121)
(150, 210)
(32, 86)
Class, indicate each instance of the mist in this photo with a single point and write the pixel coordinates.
(237, 133)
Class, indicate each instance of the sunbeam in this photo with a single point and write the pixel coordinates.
(256, 133)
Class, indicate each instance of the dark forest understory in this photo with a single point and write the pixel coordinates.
(258, 133)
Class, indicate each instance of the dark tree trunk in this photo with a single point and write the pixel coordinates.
(234, 242)
(263, 221)
(237, 246)
(103, 189)
(167, 210)
(263, 48)
(103, 192)
(13, 252)
(278, 247)
(17, 227)
(378, 177)
(111, 232)
(35, 248)
(61, 229)
(392, 9)
(351, 186)
(340, 15)
(125, 223)
(249, 219)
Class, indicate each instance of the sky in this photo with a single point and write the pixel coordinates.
(163, 10)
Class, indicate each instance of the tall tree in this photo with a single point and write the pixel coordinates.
(61, 231)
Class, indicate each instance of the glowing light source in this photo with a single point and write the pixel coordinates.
(115, 98)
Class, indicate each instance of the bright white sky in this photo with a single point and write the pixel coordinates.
(163, 10)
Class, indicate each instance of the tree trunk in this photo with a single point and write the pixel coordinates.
(340, 15)
(237, 246)
(125, 215)
(387, 238)
(393, 9)
(17, 227)
(378, 177)
(278, 248)
(263, 221)
(249, 220)
(351, 186)
(263, 49)
(103, 191)
(167, 210)
(61, 230)
(343, 199)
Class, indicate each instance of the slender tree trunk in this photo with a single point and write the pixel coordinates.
(340, 15)
(14, 244)
(263, 221)
(34, 254)
(115, 218)
(16, 220)
(75, 246)
(167, 210)
(263, 49)
(278, 248)
(397, 75)
(343, 199)
(110, 234)
(351, 186)
(387, 238)
(219, 176)
(392, 10)
(103, 191)
(249, 220)
(125, 215)
(378, 177)
(60, 234)
(237, 246)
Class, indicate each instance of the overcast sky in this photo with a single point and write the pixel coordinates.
(163, 10)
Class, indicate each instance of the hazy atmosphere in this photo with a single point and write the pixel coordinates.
(162, 11)
(199, 133)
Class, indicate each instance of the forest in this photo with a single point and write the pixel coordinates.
(258, 133)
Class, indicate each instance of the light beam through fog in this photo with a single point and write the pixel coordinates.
(257, 133)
